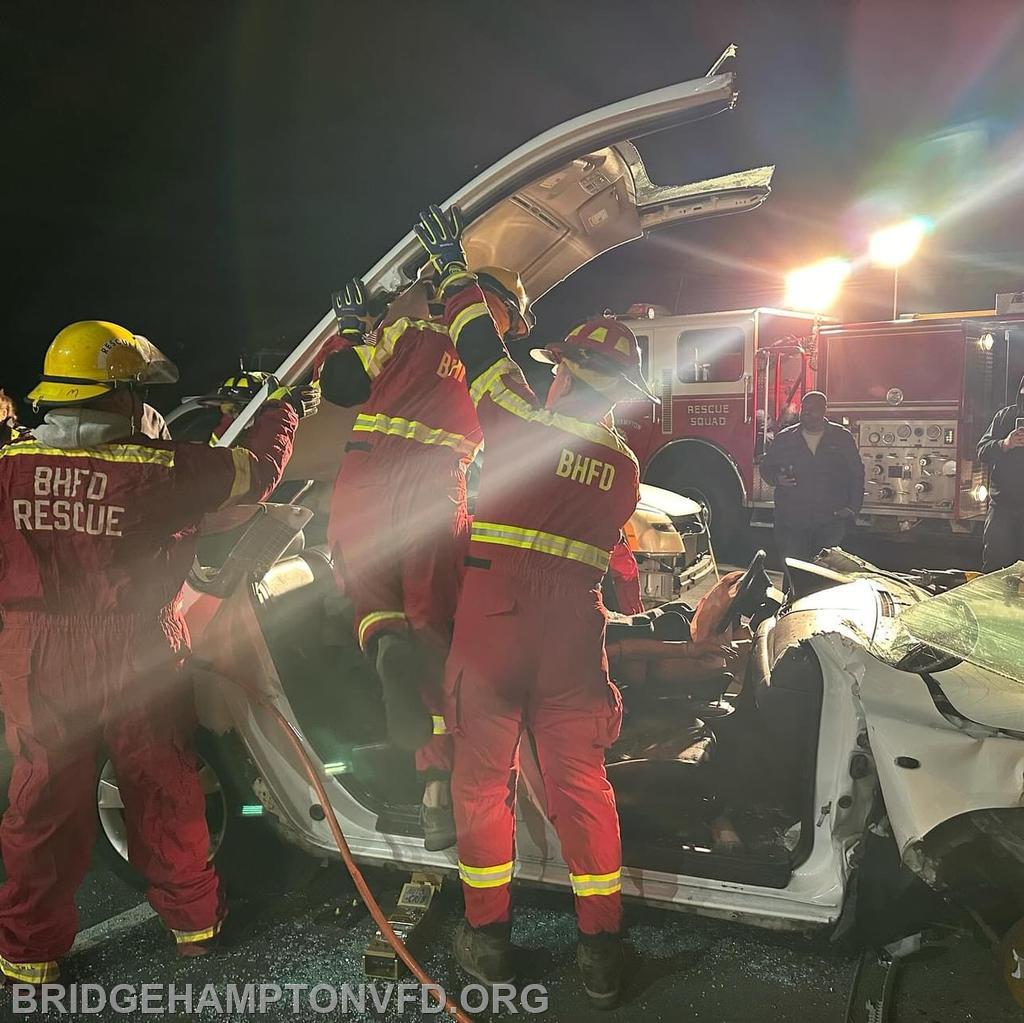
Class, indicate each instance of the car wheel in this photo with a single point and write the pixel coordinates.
(249, 854)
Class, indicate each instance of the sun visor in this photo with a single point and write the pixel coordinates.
(159, 369)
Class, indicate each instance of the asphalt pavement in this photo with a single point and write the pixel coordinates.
(680, 967)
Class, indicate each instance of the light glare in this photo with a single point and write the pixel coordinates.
(815, 288)
(895, 245)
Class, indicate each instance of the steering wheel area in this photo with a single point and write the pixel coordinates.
(735, 595)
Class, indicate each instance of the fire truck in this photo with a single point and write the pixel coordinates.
(917, 393)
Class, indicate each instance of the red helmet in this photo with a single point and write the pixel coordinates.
(604, 345)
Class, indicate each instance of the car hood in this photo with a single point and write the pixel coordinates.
(982, 623)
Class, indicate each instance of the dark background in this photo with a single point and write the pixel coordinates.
(206, 173)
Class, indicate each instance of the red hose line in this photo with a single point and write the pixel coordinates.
(369, 900)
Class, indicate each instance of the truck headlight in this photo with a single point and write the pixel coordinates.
(980, 493)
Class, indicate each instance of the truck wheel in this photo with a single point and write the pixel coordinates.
(250, 856)
(704, 479)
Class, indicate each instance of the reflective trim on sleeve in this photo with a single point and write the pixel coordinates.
(136, 454)
(375, 618)
(30, 973)
(545, 543)
(483, 383)
(364, 353)
(491, 383)
(470, 313)
(241, 482)
(409, 429)
(440, 728)
(486, 877)
(596, 884)
(460, 277)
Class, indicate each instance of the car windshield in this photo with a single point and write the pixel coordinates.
(981, 622)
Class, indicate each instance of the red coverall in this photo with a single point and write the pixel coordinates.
(528, 649)
(96, 544)
(398, 526)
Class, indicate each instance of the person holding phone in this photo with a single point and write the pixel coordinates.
(818, 477)
(1002, 450)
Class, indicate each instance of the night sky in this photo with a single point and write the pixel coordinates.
(206, 173)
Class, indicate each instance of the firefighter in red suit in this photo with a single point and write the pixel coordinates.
(97, 533)
(398, 526)
(557, 486)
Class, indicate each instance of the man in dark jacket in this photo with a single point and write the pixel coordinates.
(1002, 449)
(818, 477)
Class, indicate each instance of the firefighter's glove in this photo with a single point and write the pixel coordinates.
(400, 668)
(440, 234)
(351, 309)
(305, 400)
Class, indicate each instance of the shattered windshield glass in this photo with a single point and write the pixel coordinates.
(981, 623)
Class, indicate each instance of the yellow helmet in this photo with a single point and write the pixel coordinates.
(509, 285)
(92, 357)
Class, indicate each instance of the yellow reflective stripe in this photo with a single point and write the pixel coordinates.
(486, 877)
(384, 349)
(137, 454)
(471, 312)
(30, 973)
(459, 276)
(185, 937)
(612, 876)
(364, 353)
(490, 382)
(600, 334)
(409, 429)
(537, 540)
(213, 440)
(596, 884)
(377, 616)
(483, 383)
(439, 726)
(241, 483)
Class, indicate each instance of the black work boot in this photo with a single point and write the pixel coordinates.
(400, 667)
(599, 957)
(485, 953)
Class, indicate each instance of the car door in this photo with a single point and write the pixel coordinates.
(562, 199)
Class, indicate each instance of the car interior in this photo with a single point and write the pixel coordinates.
(692, 749)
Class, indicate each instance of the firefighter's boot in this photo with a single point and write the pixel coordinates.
(485, 953)
(400, 667)
(599, 957)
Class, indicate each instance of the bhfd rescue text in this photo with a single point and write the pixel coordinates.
(68, 500)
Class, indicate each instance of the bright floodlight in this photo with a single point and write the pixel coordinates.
(815, 288)
(894, 245)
